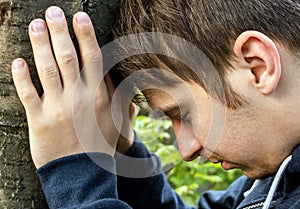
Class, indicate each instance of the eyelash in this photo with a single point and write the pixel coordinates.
(185, 118)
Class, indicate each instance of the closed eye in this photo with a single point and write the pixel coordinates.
(186, 118)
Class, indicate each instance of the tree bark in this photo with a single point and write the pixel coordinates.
(19, 186)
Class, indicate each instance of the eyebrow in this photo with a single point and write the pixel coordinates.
(172, 111)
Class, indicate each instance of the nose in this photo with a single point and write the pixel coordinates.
(189, 151)
(188, 145)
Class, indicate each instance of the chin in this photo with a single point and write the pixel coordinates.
(256, 174)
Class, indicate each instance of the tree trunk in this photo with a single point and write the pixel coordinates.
(19, 186)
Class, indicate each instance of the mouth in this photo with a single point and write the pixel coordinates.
(215, 159)
(225, 164)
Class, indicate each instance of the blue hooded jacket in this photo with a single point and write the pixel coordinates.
(78, 182)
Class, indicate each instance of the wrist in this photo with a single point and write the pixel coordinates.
(124, 145)
(125, 142)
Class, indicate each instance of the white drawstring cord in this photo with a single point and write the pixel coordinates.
(276, 182)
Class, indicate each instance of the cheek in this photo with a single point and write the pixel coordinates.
(208, 130)
(239, 143)
(231, 135)
(208, 122)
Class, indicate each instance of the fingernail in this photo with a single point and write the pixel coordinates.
(54, 13)
(82, 18)
(38, 26)
(18, 64)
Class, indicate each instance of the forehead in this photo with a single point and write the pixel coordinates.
(182, 95)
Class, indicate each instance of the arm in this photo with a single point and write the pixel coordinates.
(141, 183)
(58, 135)
(77, 181)
(72, 117)
(140, 188)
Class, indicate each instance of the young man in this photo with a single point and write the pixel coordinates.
(239, 107)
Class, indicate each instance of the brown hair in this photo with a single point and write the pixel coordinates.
(212, 26)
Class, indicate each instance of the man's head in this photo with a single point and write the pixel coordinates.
(248, 97)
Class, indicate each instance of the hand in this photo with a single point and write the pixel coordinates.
(74, 114)
(126, 137)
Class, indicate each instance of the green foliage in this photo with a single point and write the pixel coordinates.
(189, 179)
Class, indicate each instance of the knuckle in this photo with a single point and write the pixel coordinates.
(61, 115)
(96, 56)
(101, 102)
(26, 96)
(42, 126)
(93, 58)
(55, 118)
(49, 71)
(67, 57)
(79, 104)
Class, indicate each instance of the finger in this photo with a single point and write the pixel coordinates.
(132, 111)
(25, 88)
(44, 60)
(90, 52)
(127, 104)
(111, 88)
(63, 46)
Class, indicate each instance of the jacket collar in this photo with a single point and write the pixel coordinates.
(291, 176)
(294, 166)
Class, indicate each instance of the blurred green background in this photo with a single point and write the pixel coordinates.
(189, 179)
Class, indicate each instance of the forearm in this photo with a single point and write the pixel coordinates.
(79, 182)
(144, 185)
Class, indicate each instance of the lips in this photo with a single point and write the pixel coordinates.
(229, 166)
(216, 159)
(225, 165)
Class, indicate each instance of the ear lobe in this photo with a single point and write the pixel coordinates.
(258, 53)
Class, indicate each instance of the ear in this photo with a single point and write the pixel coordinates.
(259, 54)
